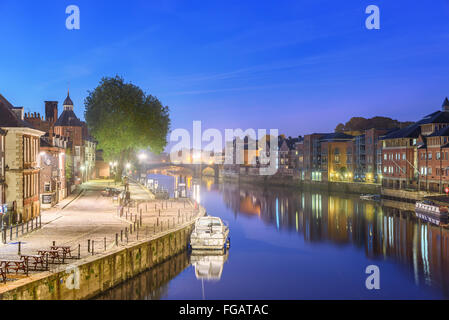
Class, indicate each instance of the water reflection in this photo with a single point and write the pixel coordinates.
(151, 284)
(209, 265)
(383, 232)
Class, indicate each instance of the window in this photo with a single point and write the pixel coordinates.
(403, 156)
(437, 156)
(47, 187)
(385, 156)
(430, 170)
(429, 156)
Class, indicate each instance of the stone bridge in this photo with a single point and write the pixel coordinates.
(197, 170)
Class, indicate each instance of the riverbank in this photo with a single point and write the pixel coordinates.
(292, 182)
(111, 245)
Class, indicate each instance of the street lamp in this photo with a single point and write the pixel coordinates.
(128, 166)
(142, 156)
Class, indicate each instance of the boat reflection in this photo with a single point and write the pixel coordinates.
(209, 264)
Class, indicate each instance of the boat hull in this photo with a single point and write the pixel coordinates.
(209, 243)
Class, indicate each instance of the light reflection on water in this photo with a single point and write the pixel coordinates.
(312, 245)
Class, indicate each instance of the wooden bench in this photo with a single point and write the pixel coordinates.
(52, 254)
(35, 260)
(65, 249)
(15, 265)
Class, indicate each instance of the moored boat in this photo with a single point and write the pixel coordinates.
(373, 197)
(431, 212)
(210, 233)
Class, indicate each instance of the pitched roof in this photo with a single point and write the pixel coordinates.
(411, 131)
(68, 118)
(7, 116)
(442, 132)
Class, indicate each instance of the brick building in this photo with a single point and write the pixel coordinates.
(21, 163)
(409, 154)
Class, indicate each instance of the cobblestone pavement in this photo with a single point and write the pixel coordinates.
(90, 216)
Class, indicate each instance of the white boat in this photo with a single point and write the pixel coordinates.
(209, 233)
(429, 211)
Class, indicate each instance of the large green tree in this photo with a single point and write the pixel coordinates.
(123, 119)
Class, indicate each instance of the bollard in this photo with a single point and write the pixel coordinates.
(22, 229)
(32, 227)
(17, 231)
(116, 239)
(54, 243)
(121, 235)
(79, 251)
(88, 245)
(104, 243)
(93, 243)
(130, 229)
(141, 219)
(46, 261)
(10, 234)
(40, 221)
(27, 226)
(20, 247)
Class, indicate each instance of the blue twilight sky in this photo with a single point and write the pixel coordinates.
(301, 66)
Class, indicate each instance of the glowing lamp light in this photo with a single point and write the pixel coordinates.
(128, 165)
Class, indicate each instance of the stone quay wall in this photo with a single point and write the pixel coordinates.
(100, 273)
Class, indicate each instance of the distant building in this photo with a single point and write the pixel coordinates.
(69, 125)
(102, 169)
(333, 157)
(409, 154)
(21, 163)
(52, 164)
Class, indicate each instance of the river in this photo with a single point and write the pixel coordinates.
(289, 244)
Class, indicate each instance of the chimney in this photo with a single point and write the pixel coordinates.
(51, 111)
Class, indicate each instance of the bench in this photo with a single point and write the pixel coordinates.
(35, 260)
(15, 265)
(52, 254)
(65, 249)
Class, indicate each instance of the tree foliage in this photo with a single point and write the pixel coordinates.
(123, 119)
(361, 124)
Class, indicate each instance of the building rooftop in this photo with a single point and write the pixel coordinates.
(336, 136)
(8, 117)
(68, 118)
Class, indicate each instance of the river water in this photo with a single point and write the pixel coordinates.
(289, 244)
